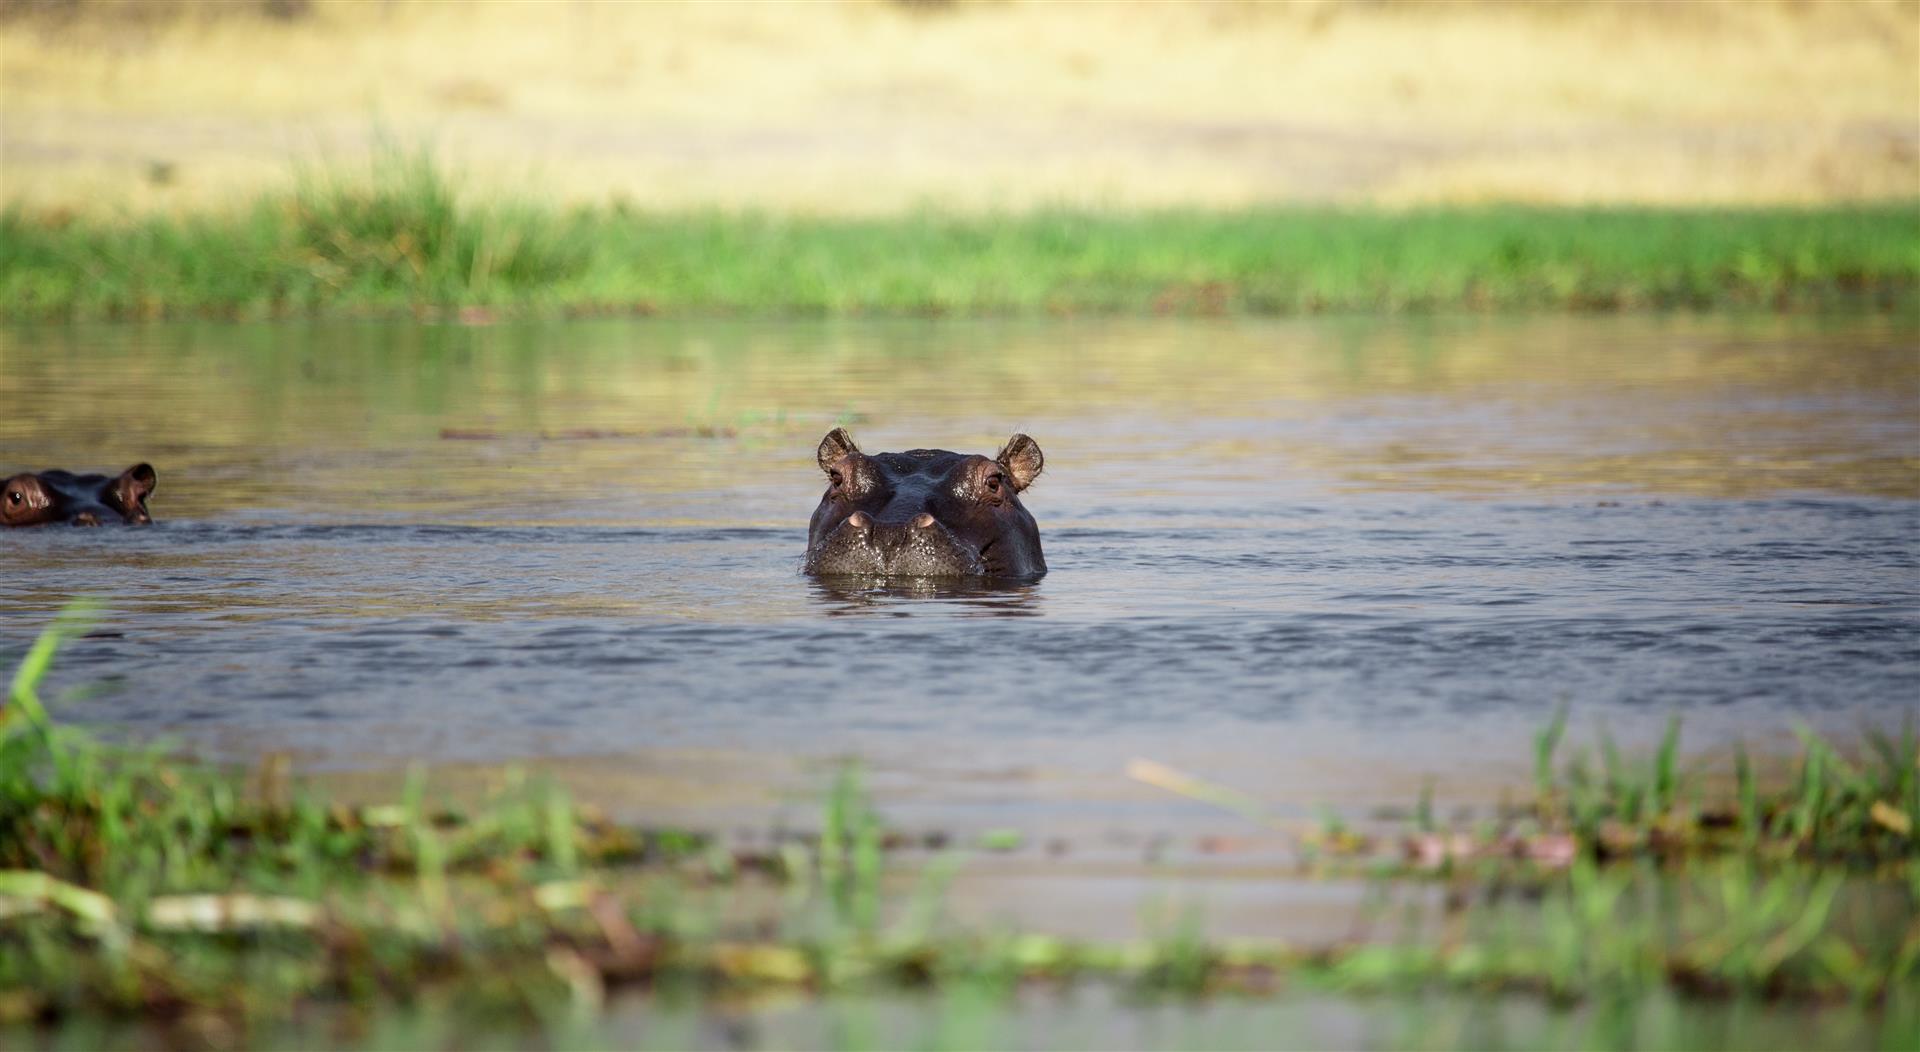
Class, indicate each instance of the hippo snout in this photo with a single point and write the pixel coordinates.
(919, 547)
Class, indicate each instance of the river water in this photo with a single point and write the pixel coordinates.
(1324, 561)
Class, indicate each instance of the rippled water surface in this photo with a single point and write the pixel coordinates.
(1320, 560)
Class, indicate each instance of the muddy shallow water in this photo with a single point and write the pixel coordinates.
(1320, 560)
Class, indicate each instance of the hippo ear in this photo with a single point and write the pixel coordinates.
(1022, 459)
(837, 444)
(133, 486)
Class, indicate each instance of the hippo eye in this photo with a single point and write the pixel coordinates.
(14, 498)
(837, 478)
(993, 483)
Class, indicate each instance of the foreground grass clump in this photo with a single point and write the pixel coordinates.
(407, 239)
(1835, 813)
(136, 887)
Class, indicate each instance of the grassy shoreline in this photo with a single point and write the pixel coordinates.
(138, 888)
(409, 241)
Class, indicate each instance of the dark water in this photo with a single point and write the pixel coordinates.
(1318, 560)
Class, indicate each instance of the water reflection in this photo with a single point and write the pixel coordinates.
(694, 423)
(1318, 560)
(849, 594)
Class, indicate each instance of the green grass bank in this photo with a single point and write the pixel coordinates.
(198, 902)
(410, 240)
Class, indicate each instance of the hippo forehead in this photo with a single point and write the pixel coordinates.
(68, 481)
(932, 463)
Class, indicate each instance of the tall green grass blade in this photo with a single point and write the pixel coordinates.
(561, 849)
(1611, 767)
(23, 694)
(1666, 777)
(1544, 744)
(1748, 796)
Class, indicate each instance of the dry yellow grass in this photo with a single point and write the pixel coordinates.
(863, 106)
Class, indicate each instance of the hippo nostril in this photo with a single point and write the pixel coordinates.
(859, 520)
(923, 521)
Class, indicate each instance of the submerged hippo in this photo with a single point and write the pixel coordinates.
(925, 512)
(80, 500)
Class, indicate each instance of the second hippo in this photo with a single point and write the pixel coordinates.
(40, 498)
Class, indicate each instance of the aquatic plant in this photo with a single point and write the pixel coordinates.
(138, 886)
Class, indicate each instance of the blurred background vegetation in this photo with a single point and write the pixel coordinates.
(859, 157)
(866, 106)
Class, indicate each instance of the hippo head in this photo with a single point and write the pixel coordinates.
(80, 500)
(925, 512)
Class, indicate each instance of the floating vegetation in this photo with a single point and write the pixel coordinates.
(140, 887)
(1856, 815)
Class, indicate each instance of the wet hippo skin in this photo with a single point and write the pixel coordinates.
(925, 512)
(78, 500)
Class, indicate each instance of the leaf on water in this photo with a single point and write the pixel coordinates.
(35, 886)
(1001, 840)
(384, 815)
(563, 895)
(1554, 850)
(1892, 817)
(1164, 777)
(780, 964)
(1434, 850)
(1226, 845)
(230, 912)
